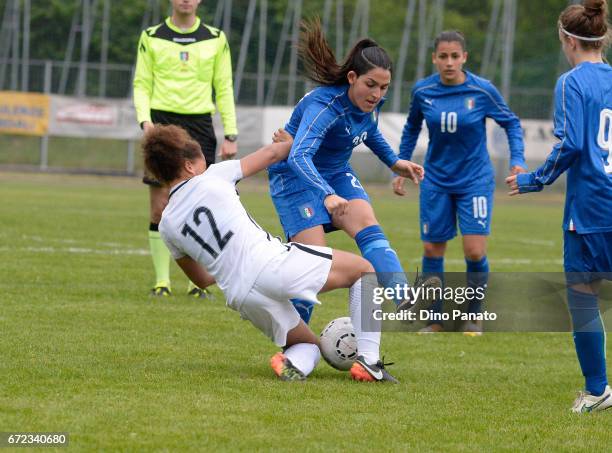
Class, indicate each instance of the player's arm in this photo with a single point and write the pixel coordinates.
(264, 157)
(317, 119)
(195, 272)
(410, 136)
(568, 104)
(412, 128)
(143, 80)
(224, 88)
(501, 113)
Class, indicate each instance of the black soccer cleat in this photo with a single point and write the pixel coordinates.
(161, 291)
(361, 371)
(420, 302)
(199, 293)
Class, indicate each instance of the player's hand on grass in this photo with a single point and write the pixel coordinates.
(409, 170)
(335, 205)
(516, 170)
(228, 150)
(513, 185)
(398, 186)
(282, 135)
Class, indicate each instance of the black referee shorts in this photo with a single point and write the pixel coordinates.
(200, 128)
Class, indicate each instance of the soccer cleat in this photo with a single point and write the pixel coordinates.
(588, 403)
(161, 291)
(199, 293)
(361, 371)
(472, 329)
(420, 303)
(284, 369)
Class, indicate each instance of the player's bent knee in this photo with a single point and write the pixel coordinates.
(475, 254)
(434, 249)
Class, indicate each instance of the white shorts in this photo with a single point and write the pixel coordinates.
(300, 273)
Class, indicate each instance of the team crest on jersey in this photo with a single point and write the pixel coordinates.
(184, 57)
(470, 103)
(306, 211)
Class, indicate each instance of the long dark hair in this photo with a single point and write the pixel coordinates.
(589, 20)
(320, 62)
(165, 150)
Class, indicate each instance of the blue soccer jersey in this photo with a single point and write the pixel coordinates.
(457, 159)
(583, 124)
(326, 126)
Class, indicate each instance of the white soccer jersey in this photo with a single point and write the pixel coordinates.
(206, 221)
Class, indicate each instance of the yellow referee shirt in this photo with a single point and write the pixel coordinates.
(177, 70)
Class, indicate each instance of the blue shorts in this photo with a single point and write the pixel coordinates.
(300, 208)
(587, 257)
(439, 212)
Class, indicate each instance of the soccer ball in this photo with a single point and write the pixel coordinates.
(339, 344)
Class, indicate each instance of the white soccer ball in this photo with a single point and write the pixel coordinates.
(339, 344)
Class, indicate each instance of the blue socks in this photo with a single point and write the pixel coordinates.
(434, 266)
(375, 247)
(589, 338)
(477, 277)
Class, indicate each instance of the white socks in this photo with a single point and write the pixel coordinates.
(368, 343)
(303, 356)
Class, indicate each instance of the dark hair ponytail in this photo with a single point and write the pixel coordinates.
(589, 20)
(450, 36)
(320, 62)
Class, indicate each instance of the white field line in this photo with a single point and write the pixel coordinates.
(77, 250)
(144, 252)
(503, 261)
(112, 248)
(542, 242)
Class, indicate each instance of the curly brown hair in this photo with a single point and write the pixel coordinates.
(165, 150)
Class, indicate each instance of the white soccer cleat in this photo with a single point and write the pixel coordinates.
(589, 403)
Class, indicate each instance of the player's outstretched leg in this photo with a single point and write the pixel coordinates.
(375, 247)
(361, 224)
(346, 272)
(299, 357)
(367, 367)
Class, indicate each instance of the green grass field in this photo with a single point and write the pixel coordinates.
(84, 350)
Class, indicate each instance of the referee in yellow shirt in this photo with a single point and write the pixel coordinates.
(179, 64)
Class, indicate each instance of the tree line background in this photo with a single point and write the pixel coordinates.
(537, 59)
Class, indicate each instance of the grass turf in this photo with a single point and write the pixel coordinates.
(85, 351)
